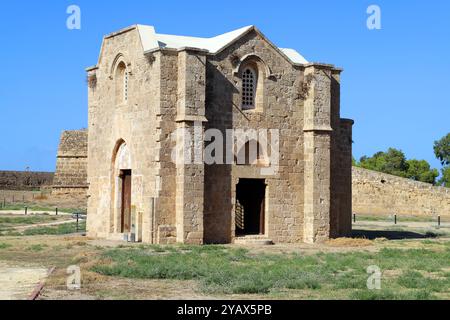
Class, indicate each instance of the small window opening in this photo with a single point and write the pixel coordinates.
(249, 83)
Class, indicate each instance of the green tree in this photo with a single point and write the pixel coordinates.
(392, 162)
(420, 170)
(445, 179)
(442, 150)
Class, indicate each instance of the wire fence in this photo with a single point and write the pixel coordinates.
(8, 197)
(435, 220)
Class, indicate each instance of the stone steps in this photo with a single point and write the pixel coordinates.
(118, 237)
(253, 240)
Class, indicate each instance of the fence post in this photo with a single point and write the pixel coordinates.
(78, 218)
(439, 221)
(354, 218)
(56, 211)
(395, 218)
(26, 210)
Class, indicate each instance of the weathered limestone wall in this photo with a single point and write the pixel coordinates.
(341, 185)
(280, 108)
(24, 180)
(137, 123)
(303, 180)
(71, 165)
(379, 193)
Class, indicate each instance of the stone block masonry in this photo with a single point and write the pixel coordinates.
(380, 193)
(71, 165)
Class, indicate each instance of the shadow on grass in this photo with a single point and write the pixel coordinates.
(392, 234)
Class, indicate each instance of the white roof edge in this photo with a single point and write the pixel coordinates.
(152, 41)
(294, 56)
(148, 37)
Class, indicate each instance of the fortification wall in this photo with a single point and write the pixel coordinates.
(379, 193)
(71, 165)
(23, 180)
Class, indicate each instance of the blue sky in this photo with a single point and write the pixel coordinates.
(395, 84)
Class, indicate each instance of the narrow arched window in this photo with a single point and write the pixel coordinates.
(121, 80)
(249, 83)
(125, 87)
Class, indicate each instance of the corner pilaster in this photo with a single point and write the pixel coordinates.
(190, 165)
(317, 154)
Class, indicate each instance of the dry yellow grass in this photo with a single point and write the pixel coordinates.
(349, 242)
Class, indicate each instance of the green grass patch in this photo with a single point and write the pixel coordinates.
(415, 280)
(390, 294)
(67, 228)
(25, 220)
(238, 271)
(5, 246)
(37, 247)
(62, 229)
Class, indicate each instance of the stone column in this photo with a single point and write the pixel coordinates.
(317, 154)
(190, 165)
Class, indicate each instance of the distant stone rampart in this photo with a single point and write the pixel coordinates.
(25, 180)
(380, 193)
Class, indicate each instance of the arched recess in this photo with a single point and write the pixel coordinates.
(120, 74)
(121, 188)
(255, 59)
(253, 73)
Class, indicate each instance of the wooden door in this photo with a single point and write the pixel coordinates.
(262, 212)
(126, 201)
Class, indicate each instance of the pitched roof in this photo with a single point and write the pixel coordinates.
(152, 41)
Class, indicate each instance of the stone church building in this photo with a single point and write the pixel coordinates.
(147, 86)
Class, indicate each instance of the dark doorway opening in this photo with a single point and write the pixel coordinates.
(250, 207)
(125, 176)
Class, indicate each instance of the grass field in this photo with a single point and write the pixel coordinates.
(412, 269)
(8, 221)
(10, 225)
(416, 273)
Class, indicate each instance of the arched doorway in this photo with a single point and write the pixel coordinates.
(122, 187)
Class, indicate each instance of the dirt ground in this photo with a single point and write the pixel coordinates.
(18, 282)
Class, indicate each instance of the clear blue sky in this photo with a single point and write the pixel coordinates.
(395, 85)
